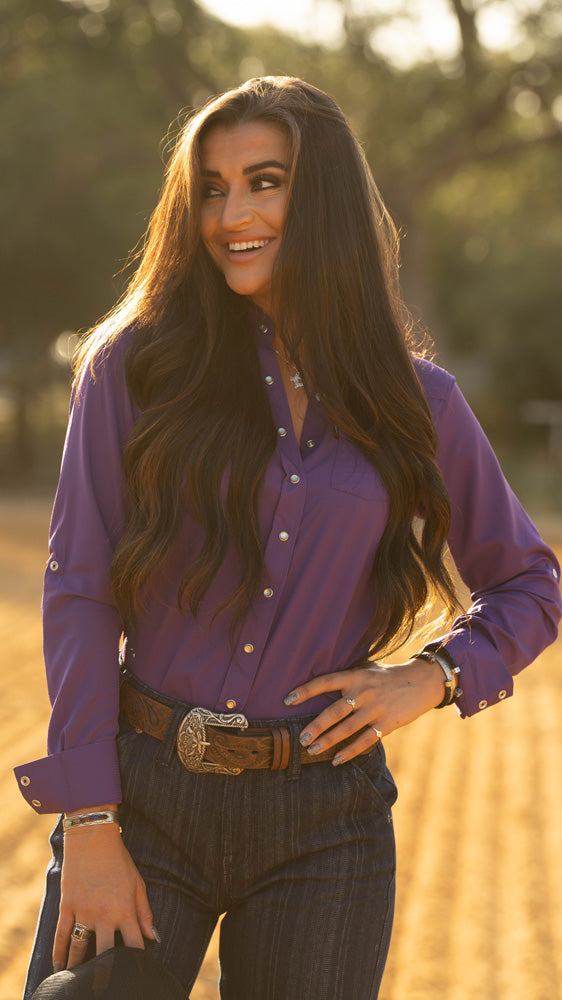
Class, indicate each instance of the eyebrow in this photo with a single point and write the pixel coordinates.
(250, 170)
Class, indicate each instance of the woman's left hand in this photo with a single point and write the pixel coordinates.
(380, 697)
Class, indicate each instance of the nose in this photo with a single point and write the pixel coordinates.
(236, 211)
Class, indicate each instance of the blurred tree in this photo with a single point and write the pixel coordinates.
(89, 87)
(466, 152)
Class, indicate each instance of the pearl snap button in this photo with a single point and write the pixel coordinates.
(25, 781)
(310, 443)
(248, 648)
(283, 536)
(263, 327)
(231, 703)
(281, 431)
(53, 565)
(483, 703)
(555, 573)
(268, 592)
(294, 478)
(269, 380)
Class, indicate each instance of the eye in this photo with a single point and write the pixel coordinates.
(211, 191)
(262, 182)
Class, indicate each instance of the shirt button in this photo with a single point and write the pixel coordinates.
(294, 478)
(36, 802)
(248, 648)
(502, 694)
(268, 592)
(269, 380)
(284, 536)
(230, 703)
(482, 704)
(310, 443)
(53, 565)
(555, 573)
(281, 431)
(25, 781)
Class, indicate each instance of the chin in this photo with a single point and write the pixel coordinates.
(249, 290)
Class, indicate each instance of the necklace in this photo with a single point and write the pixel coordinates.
(296, 378)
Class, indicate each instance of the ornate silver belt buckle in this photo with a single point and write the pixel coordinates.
(192, 739)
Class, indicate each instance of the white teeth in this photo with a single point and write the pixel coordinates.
(254, 245)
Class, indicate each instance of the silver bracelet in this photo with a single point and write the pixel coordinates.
(436, 656)
(98, 818)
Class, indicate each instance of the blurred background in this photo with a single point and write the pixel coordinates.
(459, 106)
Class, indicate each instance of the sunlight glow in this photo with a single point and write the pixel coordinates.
(310, 20)
(404, 33)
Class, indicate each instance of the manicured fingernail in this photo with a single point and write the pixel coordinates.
(305, 739)
(340, 759)
(291, 698)
(315, 748)
(156, 934)
(57, 966)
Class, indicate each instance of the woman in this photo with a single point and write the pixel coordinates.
(251, 439)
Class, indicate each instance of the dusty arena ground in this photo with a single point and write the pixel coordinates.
(478, 820)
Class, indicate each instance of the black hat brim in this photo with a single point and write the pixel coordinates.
(114, 975)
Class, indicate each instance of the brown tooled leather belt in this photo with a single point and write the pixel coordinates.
(209, 741)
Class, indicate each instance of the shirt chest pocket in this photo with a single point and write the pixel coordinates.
(352, 473)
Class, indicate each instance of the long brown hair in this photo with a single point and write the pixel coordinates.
(193, 368)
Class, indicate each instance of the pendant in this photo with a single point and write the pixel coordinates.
(297, 380)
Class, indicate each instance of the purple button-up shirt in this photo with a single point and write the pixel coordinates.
(323, 510)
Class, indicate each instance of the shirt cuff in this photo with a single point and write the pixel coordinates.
(484, 678)
(72, 779)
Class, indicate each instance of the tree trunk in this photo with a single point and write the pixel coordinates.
(22, 440)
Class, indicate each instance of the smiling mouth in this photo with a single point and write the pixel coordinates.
(246, 246)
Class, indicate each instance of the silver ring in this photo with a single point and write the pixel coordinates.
(377, 732)
(80, 932)
(351, 701)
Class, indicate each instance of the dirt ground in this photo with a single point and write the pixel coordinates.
(478, 819)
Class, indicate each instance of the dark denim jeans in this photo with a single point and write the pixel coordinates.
(301, 862)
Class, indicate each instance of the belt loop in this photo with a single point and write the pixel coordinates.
(294, 767)
(168, 747)
(281, 748)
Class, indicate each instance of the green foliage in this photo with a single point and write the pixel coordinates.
(495, 262)
(467, 156)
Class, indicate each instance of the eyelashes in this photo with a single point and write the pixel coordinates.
(210, 192)
(262, 182)
(258, 182)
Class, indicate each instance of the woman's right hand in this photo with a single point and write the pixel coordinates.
(102, 889)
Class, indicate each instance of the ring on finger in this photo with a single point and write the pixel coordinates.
(351, 701)
(377, 732)
(80, 932)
